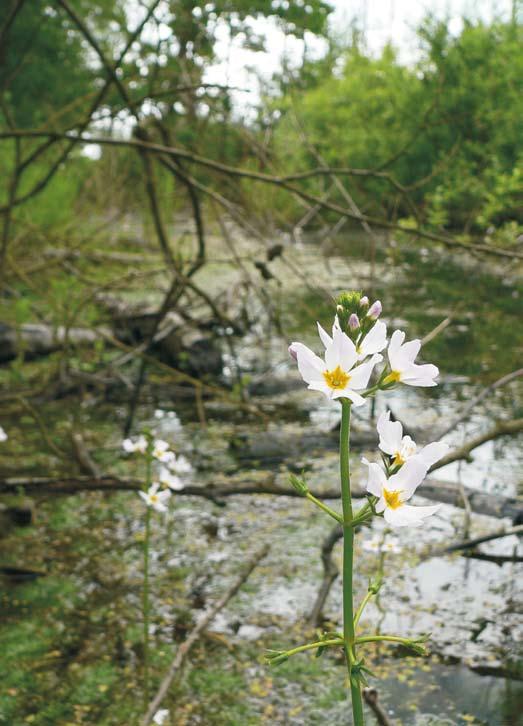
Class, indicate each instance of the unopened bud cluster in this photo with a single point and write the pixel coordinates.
(355, 315)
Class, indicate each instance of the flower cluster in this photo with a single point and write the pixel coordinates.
(354, 349)
(170, 470)
(351, 354)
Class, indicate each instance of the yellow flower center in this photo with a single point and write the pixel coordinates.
(154, 498)
(392, 498)
(398, 460)
(336, 378)
(393, 377)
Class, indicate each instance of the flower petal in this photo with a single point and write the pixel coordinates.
(381, 505)
(342, 352)
(374, 341)
(354, 397)
(376, 479)
(391, 434)
(320, 386)
(433, 452)
(407, 516)
(360, 375)
(398, 336)
(408, 478)
(411, 349)
(414, 375)
(309, 364)
(324, 336)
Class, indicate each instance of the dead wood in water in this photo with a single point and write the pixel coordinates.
(34, 340)
(475, 541)
(492, 505)
(370, 696)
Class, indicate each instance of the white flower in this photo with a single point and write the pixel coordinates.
(374, 342)
(159, 413)
(155, 498)
(372, 545)
(401, 448)
(3, 435)
(180, 465)
(161, 451)
(403, 368)
(160, 716)
(170, 480)
(393, 492)
(391, 545)
(375, 544)
(337, 376)
(130, 446)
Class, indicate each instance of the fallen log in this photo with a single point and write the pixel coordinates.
(474, 542)
(274, 446)
(35, 340)
(176, 343)
(222, 487)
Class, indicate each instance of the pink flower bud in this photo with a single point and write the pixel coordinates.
(292, 352)
(375, 310)
(364, 302)
(354, 322)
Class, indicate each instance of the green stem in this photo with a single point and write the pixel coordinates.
(348, 555)
(324, 507)
(362, 608)
(363, 515)
(379, 638)
(145, 603)
(311, 646)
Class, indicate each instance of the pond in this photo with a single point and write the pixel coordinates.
(71, 640)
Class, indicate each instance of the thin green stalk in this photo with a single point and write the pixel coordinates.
(145, 603)
(348, 555)
(379, 638)
(324, 507)
(362, 608)
(311, 646)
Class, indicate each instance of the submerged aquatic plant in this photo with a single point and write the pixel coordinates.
(343, 375)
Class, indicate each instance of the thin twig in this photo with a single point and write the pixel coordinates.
(471, 543)
(185, 647)
(485, 392)
(370, 696)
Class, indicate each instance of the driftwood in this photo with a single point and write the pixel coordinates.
(185, 647)
(272, 447)
(485, 392)
(492, 505)
(495, 559)
(370, 696)
(176, 344)
(275, 446)
(475, 541)
(38, 340)
(501, 428)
